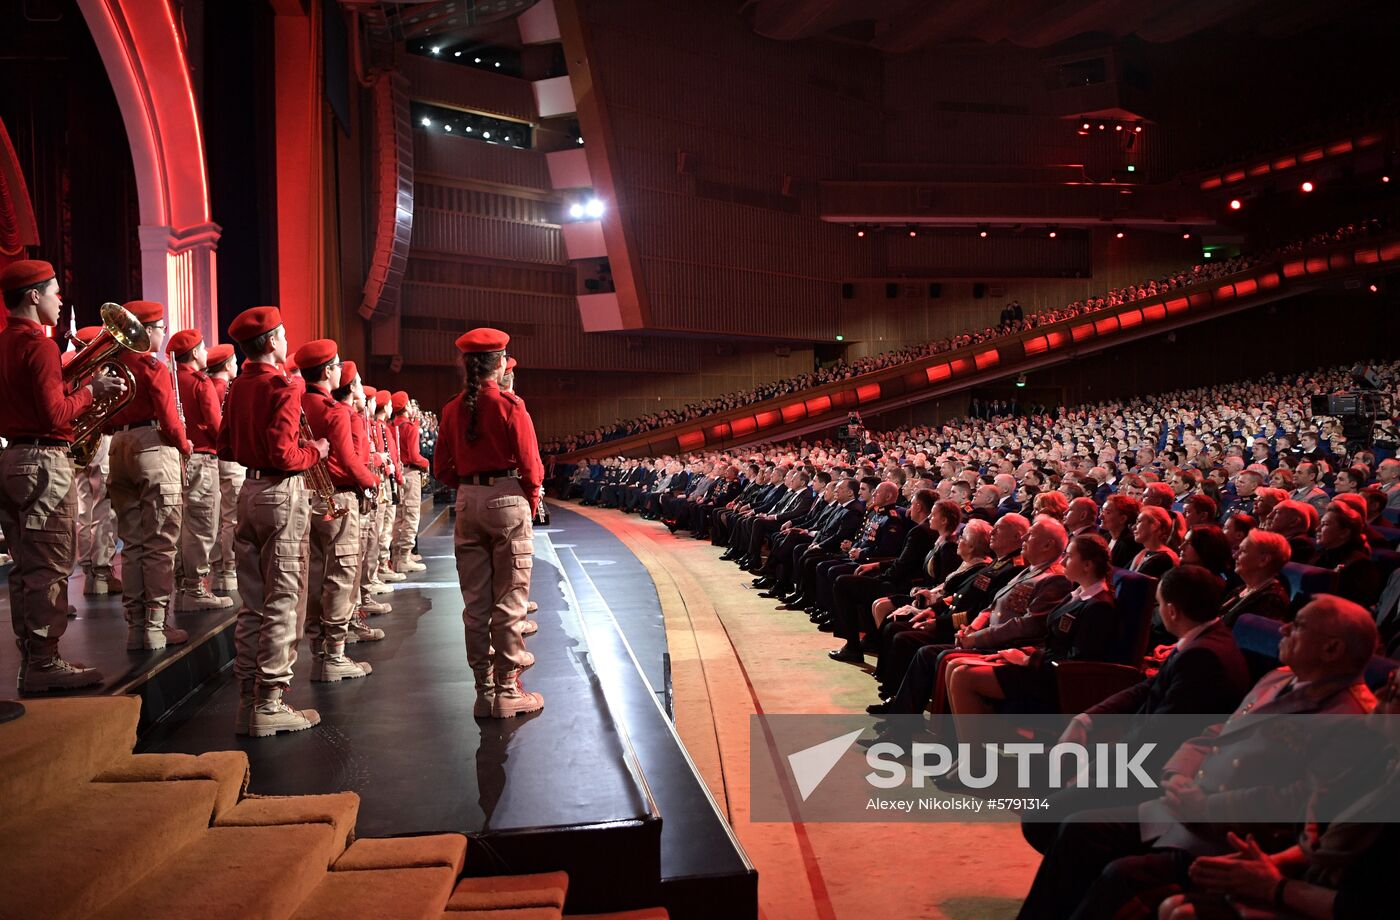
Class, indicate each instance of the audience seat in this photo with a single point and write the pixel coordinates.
(1304, 581)
(1387, 560)
(1082, 684)
(1258, 638)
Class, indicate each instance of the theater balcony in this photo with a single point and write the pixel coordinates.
(949, 372)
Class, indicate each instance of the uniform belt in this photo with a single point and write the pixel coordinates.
(148, 423)
(488, 478)
(39, 442)
(271, 474)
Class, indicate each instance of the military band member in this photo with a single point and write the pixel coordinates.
(223, 367)
(488, 452)
(331, 591)
(199, 401)
(366, 605)
(388, 511)
(97, 522)
(37, 498)
(370, 582)
(148, 450)
(261, 432)
(403, 426)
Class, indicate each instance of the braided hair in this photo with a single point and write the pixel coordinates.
(479, 366)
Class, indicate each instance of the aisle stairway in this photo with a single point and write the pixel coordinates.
(89, 829)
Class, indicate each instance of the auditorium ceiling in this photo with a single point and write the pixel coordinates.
(909, 25)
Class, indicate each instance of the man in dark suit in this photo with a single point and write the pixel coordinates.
(841, 525)
(795, 503)
(800, 528)
(774, 490)
(697, 516)
(1215, 783)
(723, 518)
(1204, 674)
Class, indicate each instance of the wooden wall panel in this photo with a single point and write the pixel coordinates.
(470, 88)
(455, 158)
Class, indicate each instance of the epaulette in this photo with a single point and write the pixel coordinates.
(511, 398)
(278, 381)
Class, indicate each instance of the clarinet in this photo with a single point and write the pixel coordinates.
(180, 414)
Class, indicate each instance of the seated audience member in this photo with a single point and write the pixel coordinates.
(1081, 627)
(1207, 547)
(1295, 521)
(1199, 510)
(1052, 505)
(907, 624)
(1265, 500)
(1341, 546)
(1340, 870)
(1102, 860)
(1258, 562)
(1306, 488)
(1120, 514)
(1205, 674)
(854, 594)
(1237, 527)
(1082, 518)
(1152, 531)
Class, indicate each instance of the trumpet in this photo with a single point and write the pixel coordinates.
(120, 330)
(318, 477)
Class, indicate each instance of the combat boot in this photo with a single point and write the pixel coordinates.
(224, 581)
(360, 631)
(485, 693)
(528, 627)
(247, 696)
(271, 715)
(387, 574)
(198, 597)
(511, 698)
(331, 664)
(405, 564)
(373, 608)
(56, 674)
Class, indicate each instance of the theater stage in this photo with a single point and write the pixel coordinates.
(596, 784)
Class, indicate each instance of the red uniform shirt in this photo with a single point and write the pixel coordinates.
(200, 400)
(391, 447)
(406, 433)
(220, 391)
(505, 440)
(262, 422)
(331, 420)
(31, 377)
(359, 437)
(154, 400)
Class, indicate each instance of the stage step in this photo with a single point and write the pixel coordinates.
(61, 744)
(78, 854)
(336, 811)
(231, 873)
(227, 768)
(507, 892)
(405, 894)
(427, 852)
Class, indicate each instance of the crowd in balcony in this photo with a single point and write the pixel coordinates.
(1106, 560)
(1014, 319)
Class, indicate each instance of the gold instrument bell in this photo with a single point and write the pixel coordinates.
(120, 330)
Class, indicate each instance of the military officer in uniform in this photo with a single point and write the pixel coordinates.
(97, 523)
(222, 368)
(387, 510)
(261, 432)
(488, 452)
(37, 498)
(404, 428)
(199, 525)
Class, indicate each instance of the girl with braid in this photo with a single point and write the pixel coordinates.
(488, 452)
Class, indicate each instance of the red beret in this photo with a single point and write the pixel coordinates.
(400, 400)
(145, 311)
(25, 273)
(510, 364)
(218, 354)
(253, 322)
(369, 393)
(482, 339)
(317, 351)
(183, 341)
(87, 334)
(381, 397)
(348, 370)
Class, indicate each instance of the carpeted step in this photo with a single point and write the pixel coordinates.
(58, 745)
(447, 851)
(645, 913)
(404, 894)
(507, 892)
(227, 768)
(518, 913)
(79, 853)
(337, 811)
(231, 873)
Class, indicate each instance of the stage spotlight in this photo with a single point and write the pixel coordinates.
(913, 233)
(1137, 129)
(427, 122)
(594, 208)
(456, 54)
(1118, 235)
(982, 231)
(860, 234)
(486, 134)
(1235, 204)
(1052, 234)
(1375, 289)
(1102, 126)
(1306, 186)
(506, 138)
(497, 64)
(1085, 126)
(1385, 178)
(470, 129)
(576, 211)
(1118, 127)
(447, 127)
(476, 60)
(436, 49)
(1186, 234)
(1132, 168)
(580, 140)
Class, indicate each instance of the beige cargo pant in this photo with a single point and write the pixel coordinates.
(386, 531)
(144, 485)
(37, 507)
(231, 476)
(331, 590)
(97, 522)
(369, 549)
(270, 544)
(495, 550)
(409, 511)
(200, 522)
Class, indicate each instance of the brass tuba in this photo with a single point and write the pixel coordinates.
(120, 330)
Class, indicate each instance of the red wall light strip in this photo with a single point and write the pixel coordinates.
(961, 366)
(1129, 319)
(1225, 292)
(1212, 182)
(768, 419)
(938, 372)
(818, 404)
(868, 393)
(1200, 299)
(1269, 280)
(1057, 339)
(1036, 346)
(1294, 269)
(1287, 162)
(1177, 305)
(1390, 252)
(1367, 256)
(1235, 176)
(718, 432)
(1154, 312)
(1246, 287)
(1106, 325)
(1259, 169)
(1317, 265)
(1311, 156)
(691, 440)
(1339, 260)
(743, 427)
(790, 414)
(989, 358)
(1339, 148)
(1080, 333)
